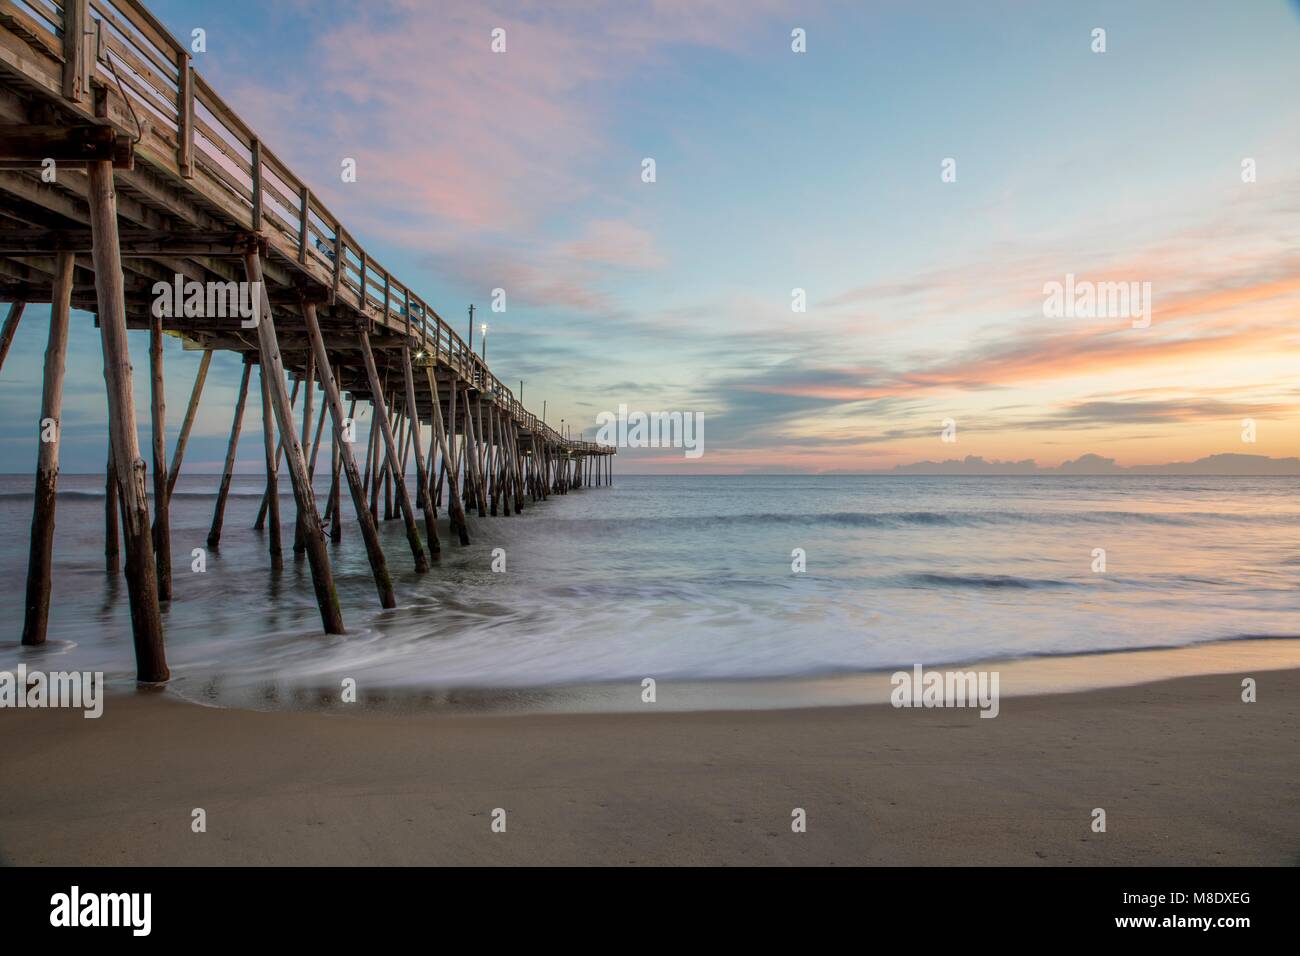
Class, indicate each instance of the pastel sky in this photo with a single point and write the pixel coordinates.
(779, 170)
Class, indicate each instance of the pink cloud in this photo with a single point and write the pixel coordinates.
(457, 145)
(496, 166)
(616, 243)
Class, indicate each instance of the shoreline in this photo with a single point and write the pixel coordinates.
(1188, 775)
(1019, 677)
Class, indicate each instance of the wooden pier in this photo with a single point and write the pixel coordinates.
(121, 168)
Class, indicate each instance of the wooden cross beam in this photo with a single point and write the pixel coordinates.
(24, 145)
(136, 243)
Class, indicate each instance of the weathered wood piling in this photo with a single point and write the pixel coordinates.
(273, 370)
(343, 448)
(191, 410)
(162, 536)
(10, 328)
(41, 553)
(141, 580)
(228, 470)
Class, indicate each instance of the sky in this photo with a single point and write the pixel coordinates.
(776, 171)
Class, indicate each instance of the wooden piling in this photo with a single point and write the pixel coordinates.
(431, 468)
(162, 535)
(391, 465)
(421, 474)
(501, 468)
(299, 544)
(532, 466)
(534, 463)
(41, 554)
(376, 472)
(506, 465)
(442, 477)
(491, 469)
(500, 487)
(315, 442)
(544, 474)
(452, 438)
(227, 472)
(386, 432)
(455, 508)
(517, 463)
(480, 456)
(371, 436)
(327, 598)
(309, 383)
(191, 410)
(333, 505)
(369, 533)
(111, 548)
(465, 456)
(404, 439)
(10, 329)
(141, 579)
(517, 457)
(388, 487)
(384, 485)
(260, 521)
(474, 475)
(271, 497)
(538, 462)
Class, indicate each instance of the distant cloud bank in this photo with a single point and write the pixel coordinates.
(1225, 464)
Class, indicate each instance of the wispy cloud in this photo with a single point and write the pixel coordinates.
(472, 155)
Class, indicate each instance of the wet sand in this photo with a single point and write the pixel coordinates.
(1187, 773)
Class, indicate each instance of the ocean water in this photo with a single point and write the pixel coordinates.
(689, 578)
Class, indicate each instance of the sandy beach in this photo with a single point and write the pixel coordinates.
(1187, 773)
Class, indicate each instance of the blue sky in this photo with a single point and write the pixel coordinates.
(779, 170)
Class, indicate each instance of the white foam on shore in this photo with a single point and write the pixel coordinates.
(1018, 678)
